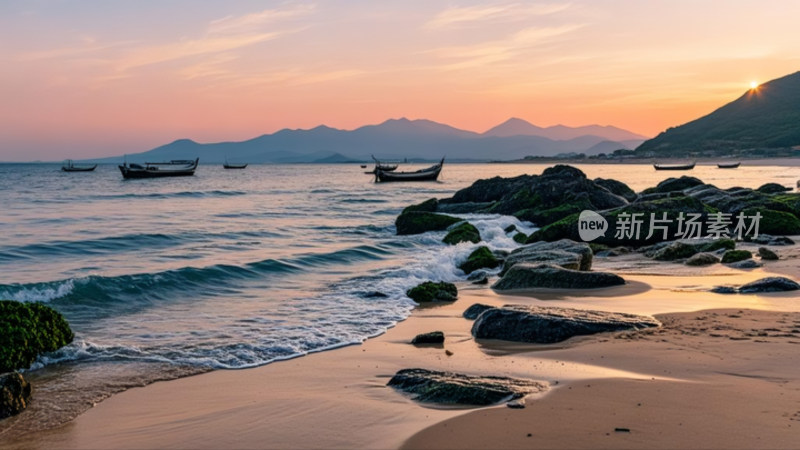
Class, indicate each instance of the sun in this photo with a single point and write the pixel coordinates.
(753, 84)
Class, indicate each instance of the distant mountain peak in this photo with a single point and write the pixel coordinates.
(520, 127)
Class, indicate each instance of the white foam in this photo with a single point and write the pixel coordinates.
(40, 294)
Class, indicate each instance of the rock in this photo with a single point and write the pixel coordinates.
(773, 188)
(565, 253)
(434, 337)
(745, 264)
(531, 276)
(702, 259)
(433, 292)
(15, 394)
(732, 256)
(477, 275)
(768, 239)
(475, 310)
(510, 228)
(675, 184)
(770, 284)
(421, 222)
(28, 330)
(723, 290)
(775, 222)
(617, 187)
(452, 388)
(481, 281)
(675, 250)
(430, 205)
(463, 232)
(374, 294)
(517, 404)
(448, 353)
(767, 254)
(684, 248)
(520, 238)
(546, 325)
(480, 258)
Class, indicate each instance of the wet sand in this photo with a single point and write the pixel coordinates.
(723, 374)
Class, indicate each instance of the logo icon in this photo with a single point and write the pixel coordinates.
(591, 225)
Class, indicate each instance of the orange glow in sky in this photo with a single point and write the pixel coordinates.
(94, 78)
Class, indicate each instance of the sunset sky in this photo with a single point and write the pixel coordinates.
(99, 78)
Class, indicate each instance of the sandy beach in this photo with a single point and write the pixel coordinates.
(721, 372)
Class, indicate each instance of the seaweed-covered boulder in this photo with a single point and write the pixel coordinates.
(430, 205)
(702, 259)
(535, 276)
(27, 330)
(546, 325)
(565, 253)
(684, 248)
(770, 284)
(745, 264)
(775, 222)
(15, 393)
(675, 184)
(675, 250)
(457, 389)
(767, 254)
(475, 310)
(480, 258)
(732, 256)
(773, 188)
(430, 291)
(434, 337)
(417, 222)
(520, 238)
(768, 239)
(463, 232)
(617, 187)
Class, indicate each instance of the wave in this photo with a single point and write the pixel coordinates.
(161, 195)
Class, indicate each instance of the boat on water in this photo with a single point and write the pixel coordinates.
(674, 166)
(383, 166)
(69, 166)
(428, 174)
(728, 165)
(174, 168)
(363, 166)
(228, 165)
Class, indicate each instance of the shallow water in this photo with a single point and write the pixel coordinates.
(231, 269)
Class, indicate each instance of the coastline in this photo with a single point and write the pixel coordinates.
(338, 398)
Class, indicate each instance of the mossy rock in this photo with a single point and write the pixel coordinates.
(566, 228)
(775, 222)
(547, 216)
(510, 228)
(430, 291)
(520, 238)
(732, 256)
(417, 222)
(430, 205)
(767, 254)
(463, 232)
(727, 244)
(480, 258)
(773, 188)
(28, 330)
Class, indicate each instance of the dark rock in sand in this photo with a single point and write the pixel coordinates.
(723, 290)
(545, 325)
(534, 276)
(565, 253)
(475, 310)
(480, 258)
(732, 256)
(463, 232)
(773, 188)
(617, 187)
(28, 330)
(675, 250)
(775, 222)
(767, 254)
(482, 280)
(745, 264)
(434, 337)
(15, 394)
(770, 284)
(420, 222)
(702, 259)
(453, 388)
(684, 248)
(768, 239)
(430, 291)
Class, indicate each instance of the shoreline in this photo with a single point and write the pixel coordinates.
(338, 398)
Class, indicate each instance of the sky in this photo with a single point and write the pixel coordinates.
(95, 78)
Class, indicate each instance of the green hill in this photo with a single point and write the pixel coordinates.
(763, 119)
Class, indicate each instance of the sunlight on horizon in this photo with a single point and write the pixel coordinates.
(753, 84)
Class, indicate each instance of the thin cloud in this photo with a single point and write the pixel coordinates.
(470, 15)
(254, 21)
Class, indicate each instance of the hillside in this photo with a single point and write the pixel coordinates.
(766, 117)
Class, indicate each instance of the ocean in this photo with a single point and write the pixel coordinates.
(231, 269)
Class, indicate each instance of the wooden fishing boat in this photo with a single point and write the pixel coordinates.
(363, 166)
(174, 168)
(728, 165)
(428, 174)
(228, 165)
(674, 166)
(69, 166)
(382, 166)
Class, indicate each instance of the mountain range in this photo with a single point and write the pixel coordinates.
(400, 139)
(765, 117)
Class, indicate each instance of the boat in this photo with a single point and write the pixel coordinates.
(69, 166)
(174, 168)
(428, 174)
(728, 165)
(674, 166)
(384, 167)
(227, 165)
(363, 166)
